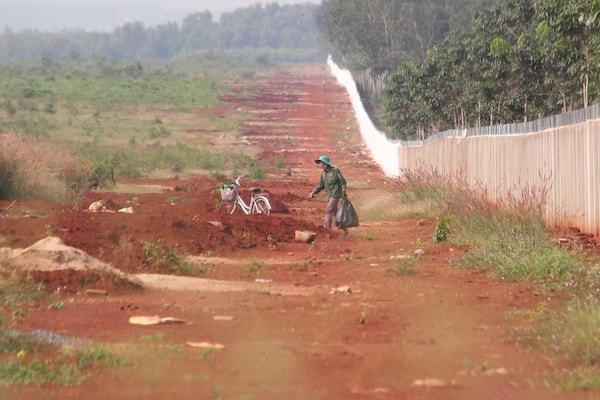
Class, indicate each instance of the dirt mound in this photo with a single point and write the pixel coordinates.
(183, 220)
(172, 215)
(60, 266)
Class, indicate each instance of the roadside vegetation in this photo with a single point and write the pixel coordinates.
(167, 260)
(43, 357)
(509, 240)
(430, 66)
(31, 168)
(71, 127)
(82, 124)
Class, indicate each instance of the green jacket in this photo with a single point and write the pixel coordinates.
(332, 181)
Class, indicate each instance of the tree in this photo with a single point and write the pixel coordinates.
(508, 66)
(9, 43)
(198, 31)
(570, 32)
(272, 27)
(130, 39)
(379, 34)
(241, 28)
(165, 40)
(486, 73)
(371, 38)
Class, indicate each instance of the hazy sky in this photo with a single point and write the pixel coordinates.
(105, 15)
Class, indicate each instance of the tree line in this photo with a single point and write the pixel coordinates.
(270, 26)
(445, 67)
(371, 38)
(421, 66)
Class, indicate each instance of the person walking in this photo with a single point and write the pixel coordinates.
(334, 184)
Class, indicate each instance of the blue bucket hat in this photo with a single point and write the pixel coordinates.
(323, 159)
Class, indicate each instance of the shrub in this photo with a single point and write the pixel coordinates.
(8, 176)
(524, 253)
(36, 169)
(257, 171)
(158, 254)
(441, 232)
(508, 235)
(67, 368)
(100, 173)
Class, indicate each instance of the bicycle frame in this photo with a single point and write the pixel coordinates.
(246, 208)
(259, 203)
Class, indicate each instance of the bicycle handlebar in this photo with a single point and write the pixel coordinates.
(238, 180)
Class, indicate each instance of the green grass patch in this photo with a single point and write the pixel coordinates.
(573, 333)
(36, 357)
(108, 162)
(205, 352)
(107, 83)
(255, 266)
(17, 294)
(15, 342)
(66, 368)
(576, 379)
(508, 238)
(522, 253)
(168, 259)
(110, 119)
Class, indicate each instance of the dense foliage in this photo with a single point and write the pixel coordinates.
(433, 65)
(372, 37)
(283, 33)
(517, 61)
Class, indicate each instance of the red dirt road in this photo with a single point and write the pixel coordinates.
(326, 320)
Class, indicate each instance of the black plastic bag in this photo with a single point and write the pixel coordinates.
(346, 216)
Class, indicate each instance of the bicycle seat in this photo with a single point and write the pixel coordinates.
(255, 189)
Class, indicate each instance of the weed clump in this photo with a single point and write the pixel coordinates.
(508, 235)
(164, 257)
(40, 356)
(36, 169)
(509, 239)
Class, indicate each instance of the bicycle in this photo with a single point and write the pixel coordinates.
(231, 200)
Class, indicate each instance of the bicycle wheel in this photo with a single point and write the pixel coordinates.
(262, 206)
(225, 207)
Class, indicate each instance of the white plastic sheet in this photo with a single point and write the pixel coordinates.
(383, 151)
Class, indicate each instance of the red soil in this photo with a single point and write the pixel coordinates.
(378, 337)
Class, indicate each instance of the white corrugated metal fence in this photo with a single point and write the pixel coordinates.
(560, 152)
